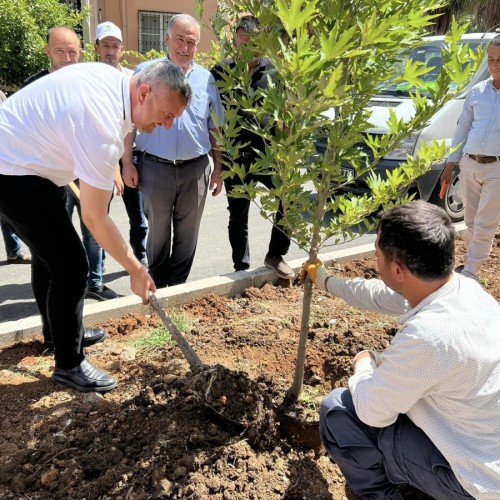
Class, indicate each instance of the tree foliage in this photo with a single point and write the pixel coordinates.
(23, 29)
(331, 58)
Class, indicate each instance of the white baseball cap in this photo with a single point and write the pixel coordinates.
(108, 29)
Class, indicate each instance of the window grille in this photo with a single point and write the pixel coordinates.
(75, 5)
(152, 30)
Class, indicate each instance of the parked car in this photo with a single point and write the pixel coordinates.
(441, 126)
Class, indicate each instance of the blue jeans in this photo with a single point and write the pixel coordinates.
(376, 460)
(93, 249)
(12, 242)
(132, 199)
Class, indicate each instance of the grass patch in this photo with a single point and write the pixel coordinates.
(309, 400)
(161, 337)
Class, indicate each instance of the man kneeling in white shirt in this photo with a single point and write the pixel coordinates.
(425, 412)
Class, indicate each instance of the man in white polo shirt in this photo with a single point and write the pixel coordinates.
(75, 121)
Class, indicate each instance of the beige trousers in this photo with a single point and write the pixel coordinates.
(480, 186)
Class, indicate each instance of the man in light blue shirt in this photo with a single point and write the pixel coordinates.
(478, 138)
(174, 172)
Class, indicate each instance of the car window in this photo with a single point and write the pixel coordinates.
(430, 55)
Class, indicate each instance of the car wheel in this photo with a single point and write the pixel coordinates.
(452, 201)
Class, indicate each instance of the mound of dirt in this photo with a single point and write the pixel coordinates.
(223, 431)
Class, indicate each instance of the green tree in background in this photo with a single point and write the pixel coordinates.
(484, 15)
(331, 58)
(23, 29)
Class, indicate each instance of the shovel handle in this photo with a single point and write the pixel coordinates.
(193, 360)
(75, 190)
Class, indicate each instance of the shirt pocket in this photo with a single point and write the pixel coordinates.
(200, 106)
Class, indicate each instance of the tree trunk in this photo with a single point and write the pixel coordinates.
(298, 379)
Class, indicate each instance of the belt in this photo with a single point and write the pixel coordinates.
(158, 159)
(484, 159)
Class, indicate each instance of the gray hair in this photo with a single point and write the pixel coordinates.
(166, 72)
(179, 18)
(495, 42)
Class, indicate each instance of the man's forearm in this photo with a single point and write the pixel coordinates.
(129, 146)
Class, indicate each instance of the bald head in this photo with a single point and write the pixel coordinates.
(63, 47)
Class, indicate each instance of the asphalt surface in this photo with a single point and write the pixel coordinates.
(213, 256)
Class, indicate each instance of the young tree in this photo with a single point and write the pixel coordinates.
(330, 58)
(23, 29)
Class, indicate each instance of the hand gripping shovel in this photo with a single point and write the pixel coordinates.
(191, 356)
(193, 359)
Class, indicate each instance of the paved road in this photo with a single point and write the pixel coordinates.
(213, 257)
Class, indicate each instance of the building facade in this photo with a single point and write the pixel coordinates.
(144, 22)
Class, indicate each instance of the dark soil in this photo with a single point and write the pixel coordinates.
(167, 431)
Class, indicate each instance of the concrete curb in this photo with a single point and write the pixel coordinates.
(227, 285)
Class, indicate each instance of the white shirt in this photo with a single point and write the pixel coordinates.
(442, 369)
(69, 124)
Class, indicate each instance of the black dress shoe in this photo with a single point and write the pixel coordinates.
(85, 378)
(91, 336)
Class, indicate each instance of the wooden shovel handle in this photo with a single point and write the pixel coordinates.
(193, 359)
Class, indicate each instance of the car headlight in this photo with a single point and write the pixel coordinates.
(405, 148)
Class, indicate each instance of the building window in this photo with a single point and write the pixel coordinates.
(73, 4)
(152, 30)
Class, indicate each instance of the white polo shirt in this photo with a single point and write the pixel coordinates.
(67, 125)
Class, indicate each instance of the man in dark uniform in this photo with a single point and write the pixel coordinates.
(239, 208)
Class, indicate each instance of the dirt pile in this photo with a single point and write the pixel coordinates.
(167, 432)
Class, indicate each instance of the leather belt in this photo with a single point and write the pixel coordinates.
(158, 159)
(484, 159)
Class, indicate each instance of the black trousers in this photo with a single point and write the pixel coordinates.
(36, 209)
(238, 220)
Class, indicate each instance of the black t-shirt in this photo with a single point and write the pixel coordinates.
(259, 80)
(35, 77)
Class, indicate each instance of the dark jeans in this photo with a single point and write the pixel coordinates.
(238, 220)
(132, 199)
(376, 460)
(10, 239)
(59, 265)
(95, 253)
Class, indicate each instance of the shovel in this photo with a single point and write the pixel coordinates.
(193, 360)
(191, 356)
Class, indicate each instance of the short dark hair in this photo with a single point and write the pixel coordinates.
(495, 42)
(420, 236)
(249, 24)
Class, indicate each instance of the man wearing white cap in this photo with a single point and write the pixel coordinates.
(109, 47)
